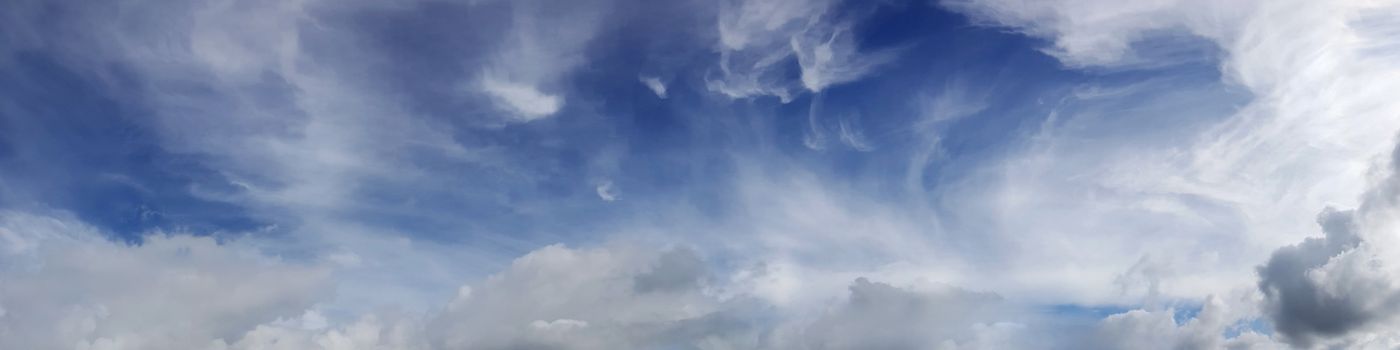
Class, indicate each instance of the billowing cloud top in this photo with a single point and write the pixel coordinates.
(699, 174)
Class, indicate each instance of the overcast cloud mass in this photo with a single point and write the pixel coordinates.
(699, 174)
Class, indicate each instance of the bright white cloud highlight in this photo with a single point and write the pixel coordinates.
(524, 101)
(655, 84)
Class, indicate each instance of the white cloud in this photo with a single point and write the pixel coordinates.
(852, 134)
(560, 325)
(524, 101)
(757, 38)
(617, 296)
(76, 289)
(370, 332)
(1308, 136)
(1069, 213)
(600, 298)
(625, 297)
(1241, 180)
(828, 55)
(657, 86)
(1160, 329)
(606, 191)
(878, 315)
(544, 43)
(289, 113)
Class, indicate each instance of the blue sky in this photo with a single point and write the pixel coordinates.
(733, 174)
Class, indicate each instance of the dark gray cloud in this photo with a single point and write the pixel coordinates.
(1325, 289)
(1299, 306)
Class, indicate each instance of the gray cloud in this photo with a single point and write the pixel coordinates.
(881, 316)
(1160, 329)
(1247, 178)
(1340, 287)
(602, 298)
(1300, 307)
(65, 286)
(676, 270)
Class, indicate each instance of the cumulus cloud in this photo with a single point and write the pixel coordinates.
(371, 332)
(1335, 291)
(880, 316)
(1301, 140)
(1344, 287)
(1247, 173)
(1302, 307)
(71, 288)
(1219, 324)
(623, 297)
(619, 297)
(69, 285)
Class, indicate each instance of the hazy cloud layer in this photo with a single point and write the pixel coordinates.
(156, 296)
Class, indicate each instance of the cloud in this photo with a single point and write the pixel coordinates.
(623, 297)
(523, 100)
(1266, 165)
(880, 316)
(598, 298)
(561, 325)
(615, 296)
(657, 86)
(851, 134)
(1239, 154)
(544, 43)
(368, 332)
(315, 120)
(308, 122)
(606, 191)
(848, 129)
(1342, 288)
(829, 55)
(1302, 306)
(73, 288)
(1218, 324)
(759, 38)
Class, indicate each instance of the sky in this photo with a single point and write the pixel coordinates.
(699, 174)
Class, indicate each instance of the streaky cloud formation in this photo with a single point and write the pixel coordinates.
(698, 174)
(756, 38)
